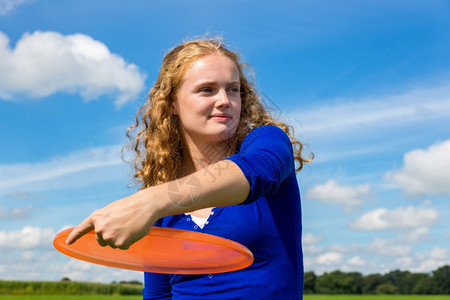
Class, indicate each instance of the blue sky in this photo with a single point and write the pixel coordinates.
(365, 84)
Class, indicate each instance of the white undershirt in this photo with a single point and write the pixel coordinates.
(199, 221)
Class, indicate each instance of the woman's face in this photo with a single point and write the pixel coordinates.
(208, 102)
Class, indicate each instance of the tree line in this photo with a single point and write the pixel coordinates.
(394, 282)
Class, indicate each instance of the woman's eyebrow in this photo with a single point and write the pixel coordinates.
(201, 83)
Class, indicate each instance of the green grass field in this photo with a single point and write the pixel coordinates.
(68, 297)
(376, 297)
(306, 297)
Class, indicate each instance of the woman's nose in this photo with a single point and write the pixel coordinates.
(222, 99)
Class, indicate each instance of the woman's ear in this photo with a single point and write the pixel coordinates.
(174, 111)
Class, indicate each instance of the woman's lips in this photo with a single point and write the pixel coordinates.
(221, 117)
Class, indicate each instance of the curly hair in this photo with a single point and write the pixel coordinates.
(158, 146)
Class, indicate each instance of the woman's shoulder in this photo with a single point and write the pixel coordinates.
(270, 128)
(267, 132)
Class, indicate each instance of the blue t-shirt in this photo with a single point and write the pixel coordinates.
(268, 223)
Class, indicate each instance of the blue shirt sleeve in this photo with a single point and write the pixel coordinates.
(266, 159)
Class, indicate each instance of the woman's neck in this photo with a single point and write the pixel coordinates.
(197, 157)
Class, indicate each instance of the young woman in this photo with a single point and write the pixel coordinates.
(211, 159)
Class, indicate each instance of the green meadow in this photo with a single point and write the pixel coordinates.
(72, 290)
(376, 297)
(67, 297)
(306, 297)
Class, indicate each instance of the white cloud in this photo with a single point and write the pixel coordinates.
(28, 256)
(19, 175)
(322, 260)
(342, 248)
(428, 265)
(356, 261)
(380, 255)
(49, 264)
(439, 253)
(27, 238)
(15, 213)
(350, 197)
(387, 247)
(25, 196)
(309, 239)
(350, 115)
(404, 262)
(8, 5)
(425, 262)
(364, 266)
(330, 258)
(425, 172)
(83, 271)
(44, 63)
(414, 236)
(399, 218)
(312, 249)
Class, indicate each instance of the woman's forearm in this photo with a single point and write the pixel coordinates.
(219, 184)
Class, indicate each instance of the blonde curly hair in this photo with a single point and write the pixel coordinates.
(158, 146)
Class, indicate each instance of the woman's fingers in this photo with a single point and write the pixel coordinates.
(100, 240)
(119, 224)
(84, 227)
(113, 243)
(103, 238)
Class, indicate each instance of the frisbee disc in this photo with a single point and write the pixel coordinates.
(162, 250)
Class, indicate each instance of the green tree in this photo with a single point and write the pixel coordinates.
(413, 279)
(386, 288)
(309, 283)
(423, 286)
(400, 279)
(370, 283)
(441, 281)
(338, 282)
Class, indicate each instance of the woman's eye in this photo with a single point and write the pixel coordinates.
(234, 90)
(205, 90)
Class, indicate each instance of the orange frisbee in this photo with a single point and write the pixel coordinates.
(162, 250)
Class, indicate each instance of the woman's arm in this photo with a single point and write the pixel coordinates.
(127, 220)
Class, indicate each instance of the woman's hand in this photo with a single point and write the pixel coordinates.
(120, 223)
